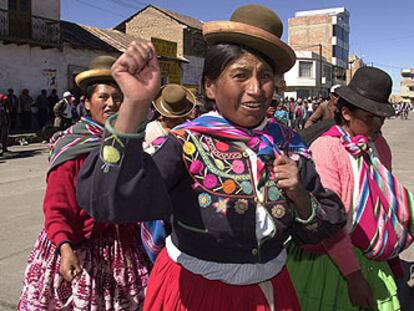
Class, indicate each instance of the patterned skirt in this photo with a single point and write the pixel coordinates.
(321, 287)
(114, 275)
(171, 287)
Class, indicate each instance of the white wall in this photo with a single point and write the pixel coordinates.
(43, 8)
(292, 76)
(4, 4)
(46, 8)
(34, 68)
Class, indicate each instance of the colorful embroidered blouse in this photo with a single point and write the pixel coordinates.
(207, 186)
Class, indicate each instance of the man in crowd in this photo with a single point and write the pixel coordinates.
(63, 112)
(326, 109)
(12, 104)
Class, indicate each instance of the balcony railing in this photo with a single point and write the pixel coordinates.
(34, 30)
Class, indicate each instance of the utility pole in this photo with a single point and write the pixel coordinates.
(320, 69)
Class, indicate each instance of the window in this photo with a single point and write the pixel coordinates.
(338, 32)
(337, 52)
(411, 88)
(345, 36)
(327, 72)
(20, 19)
(305, 69)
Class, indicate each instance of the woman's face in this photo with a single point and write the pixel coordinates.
(361, 122)
(243, 91)
(104, 102)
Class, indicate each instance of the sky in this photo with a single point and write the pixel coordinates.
(382, 31)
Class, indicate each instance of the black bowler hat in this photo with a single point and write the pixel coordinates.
(369, 90)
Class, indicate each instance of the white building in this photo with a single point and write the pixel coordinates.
(310, 76)
(39, 51)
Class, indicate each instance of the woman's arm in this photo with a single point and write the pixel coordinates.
(59, 206)
(122, 184)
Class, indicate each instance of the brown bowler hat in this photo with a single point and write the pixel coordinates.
(99, 71)
(255, 27)
(174, 101)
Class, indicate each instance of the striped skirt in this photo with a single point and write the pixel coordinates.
(114, 275)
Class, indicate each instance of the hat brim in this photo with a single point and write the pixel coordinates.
(190, 100)
(377, 108)
(87, 77)
(252, 37)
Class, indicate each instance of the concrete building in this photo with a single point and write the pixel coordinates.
(324, 32)
(354, 64)
(175, 36)
(45, 52)
(310, 76)
(407, 85)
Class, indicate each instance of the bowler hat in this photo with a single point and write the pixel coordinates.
(369, 90)
(99, 71)
(255, 27)
(174, 101)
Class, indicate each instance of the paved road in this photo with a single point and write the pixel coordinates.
(22, 184)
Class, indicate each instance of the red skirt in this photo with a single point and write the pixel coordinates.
(171, 287)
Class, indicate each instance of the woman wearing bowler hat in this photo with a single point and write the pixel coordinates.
(173, 105)
(354, 160)
(78, 263)
(234, 184)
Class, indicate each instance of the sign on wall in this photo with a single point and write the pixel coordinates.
(170, 70)
(50, 77)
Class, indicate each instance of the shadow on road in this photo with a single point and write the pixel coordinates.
(10, 155)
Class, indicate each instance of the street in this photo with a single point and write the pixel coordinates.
(22, 185)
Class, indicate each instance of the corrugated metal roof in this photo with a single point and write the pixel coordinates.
(114, 38)
(79, 37)
(89, 37)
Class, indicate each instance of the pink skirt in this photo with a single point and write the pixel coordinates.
(171, 287)
(114, 275)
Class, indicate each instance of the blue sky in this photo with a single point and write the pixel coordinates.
(382, 31)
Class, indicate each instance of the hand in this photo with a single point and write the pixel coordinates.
(359, 291)
(69, 263)
(137, 73)
(286, 175)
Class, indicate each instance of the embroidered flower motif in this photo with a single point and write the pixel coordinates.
(204, 199)
(237, 166)
(278, 211)
(221, 205)
(221, 146)
(196, 167)
(247, 187)
(210, 181)
(241, 206)
(111, 155)
(189, 148)
(229, 186)
(273, 193)
(219, 164)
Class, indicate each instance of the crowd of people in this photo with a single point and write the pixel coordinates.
(166, 198)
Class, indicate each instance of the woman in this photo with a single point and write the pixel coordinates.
(354, 160)
(78, 264)
(172, 106)
(230, 180)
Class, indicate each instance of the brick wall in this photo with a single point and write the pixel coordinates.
(153, 23)
(311, 30)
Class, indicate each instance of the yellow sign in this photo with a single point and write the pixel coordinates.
(170, 70)
(164, 47)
